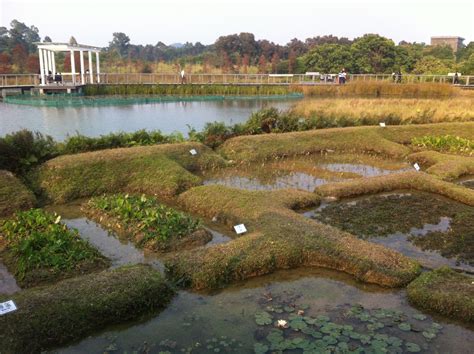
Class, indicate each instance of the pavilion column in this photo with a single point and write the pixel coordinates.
(98, 66)
(82, 66)
(46, 65)
(50, 60)
(41, 60)
(73, 68)
(54, 62)
(91, 69)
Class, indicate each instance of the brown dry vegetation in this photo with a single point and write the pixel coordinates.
(406, 180)
(160, 170)
(14, 195)
(369, 111)
(278, 239)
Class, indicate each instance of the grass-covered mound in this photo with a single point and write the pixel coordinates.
(37, 248)
(278, 238)
(446, 292)
(387, 141)
(69, 310)
(445, 166)
(14, 195)
(147, 223)
(406, 180)
(162, 170)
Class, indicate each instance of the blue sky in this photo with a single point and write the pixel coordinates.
(147, 21)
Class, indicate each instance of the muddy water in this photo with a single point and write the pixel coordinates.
(466, 181)
(304, 173)
(7, 281)
(225, 321)
(423, 226)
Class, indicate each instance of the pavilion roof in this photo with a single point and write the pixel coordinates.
(66, 47)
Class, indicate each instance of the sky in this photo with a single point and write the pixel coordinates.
(147, 22)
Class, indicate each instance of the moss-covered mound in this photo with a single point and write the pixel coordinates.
(387, 141)
(407, 180)
(445, 166)
(14, 195)
(147, 223)
(54, 315)
(446, 292)
(162, 170)
(278, 239)
(37, 248)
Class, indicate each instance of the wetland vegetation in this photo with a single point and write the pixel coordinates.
(159, 191)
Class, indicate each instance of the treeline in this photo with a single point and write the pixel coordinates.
(242, 53)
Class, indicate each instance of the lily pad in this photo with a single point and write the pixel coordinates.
(404, 326)
(412, 347)
(260, 348)
(429, 335)
(263, 318)
(419, 316)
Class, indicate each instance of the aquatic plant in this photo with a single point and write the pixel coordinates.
(151, 224)
(446, 143)
(37, 243)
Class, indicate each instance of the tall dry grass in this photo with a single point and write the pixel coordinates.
(371, 111)
(384, 89)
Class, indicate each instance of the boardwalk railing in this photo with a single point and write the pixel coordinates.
(19, 80)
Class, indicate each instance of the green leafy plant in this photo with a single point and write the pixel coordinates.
(145, 216)
(447, 143)
(38, 239)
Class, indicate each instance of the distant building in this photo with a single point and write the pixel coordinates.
(453, 41)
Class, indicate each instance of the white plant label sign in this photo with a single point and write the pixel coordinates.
(417, 167)
(7, 306)
(382, 124)
(240, 229)
(193, 152)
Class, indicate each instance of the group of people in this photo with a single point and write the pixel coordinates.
(397, 77)
(50, 78)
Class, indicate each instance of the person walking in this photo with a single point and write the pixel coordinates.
(342, 76)
(456, 78)
(183, 77)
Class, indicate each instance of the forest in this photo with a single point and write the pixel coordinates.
(243, 53)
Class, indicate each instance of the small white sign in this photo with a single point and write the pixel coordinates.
(417, 167)
(240, 229)
(382, 124)
(6, 307)
(193, 152)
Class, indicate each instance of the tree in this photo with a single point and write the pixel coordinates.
(467, 66)
(47, 39)
(120, 43)
(373, 54)
(19, 56)
(5, 63)
(439, 51)
(262, 64)
(72, 41)
(20, 33)
(329, 58)
(291, 61)
(432, 65)
(275, 62)
(32, 64)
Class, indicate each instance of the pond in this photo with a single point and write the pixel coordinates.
(323, 310)
(94, 121)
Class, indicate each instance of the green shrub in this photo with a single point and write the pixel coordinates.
(38, 240)
(153, 225)
(80, 143)
(24, 149)
(447, 143)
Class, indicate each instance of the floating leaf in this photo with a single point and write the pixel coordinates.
(412, 347)
(404, 326)
(263, 318)
(419, 316)
(260, 348)
(429, 335)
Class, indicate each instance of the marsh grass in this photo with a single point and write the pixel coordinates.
(445, 143)
(444, 291)
(14, 195)
(391, 111)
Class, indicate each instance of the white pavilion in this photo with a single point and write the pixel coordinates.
(47, 61)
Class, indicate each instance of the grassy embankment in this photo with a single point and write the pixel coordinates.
(160, 170)
(37, 248)
(278, 238)
(14, 195)
(446, 292)
(147, 223)
(73, 308)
